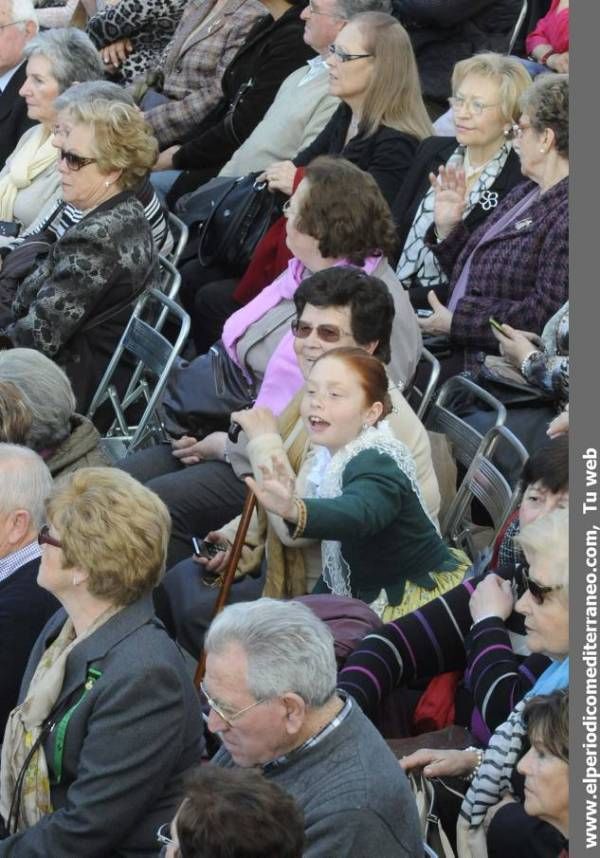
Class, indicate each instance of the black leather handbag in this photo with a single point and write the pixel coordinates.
(230, 215)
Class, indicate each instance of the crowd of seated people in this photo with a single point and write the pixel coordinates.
(140, 716)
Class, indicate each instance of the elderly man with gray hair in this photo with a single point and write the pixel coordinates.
(271, 686)
(18, 24)
(24, 607)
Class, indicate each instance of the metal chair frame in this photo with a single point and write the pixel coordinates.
(485, 483)
(155, 358)
(180, 233)
(423, 397)
(517, 28)
(464, 439)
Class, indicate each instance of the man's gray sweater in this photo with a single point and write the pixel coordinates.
(356, 799)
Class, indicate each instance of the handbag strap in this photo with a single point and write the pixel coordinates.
(113, 312)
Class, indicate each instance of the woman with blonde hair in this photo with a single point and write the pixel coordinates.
(485, 97)
(74, 306)
(108, 720)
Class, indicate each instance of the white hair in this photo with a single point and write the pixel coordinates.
(26, 482)
(47, 392)
(287, 646)
(548, 537)
(22, 11)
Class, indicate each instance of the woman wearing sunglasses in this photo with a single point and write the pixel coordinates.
(362, 501)
(492, 813)
(108, 720)
(74, 305)
(55, 60)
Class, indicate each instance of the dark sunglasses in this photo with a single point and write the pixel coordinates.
(327, 333)
(75, 162)
(524, 582)
(44, 538)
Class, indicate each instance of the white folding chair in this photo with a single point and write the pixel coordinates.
(420, 399)
(154, 356)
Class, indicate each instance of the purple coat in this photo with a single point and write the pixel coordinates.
(520, 276)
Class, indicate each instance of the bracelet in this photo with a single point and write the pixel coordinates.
(468, 778)
(546, 56)
(527, 361)
(302, 516)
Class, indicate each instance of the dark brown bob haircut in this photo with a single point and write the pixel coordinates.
(345, 211)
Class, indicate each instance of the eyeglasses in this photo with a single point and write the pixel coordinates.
(315, 11)
(163, 835)
(75, 162)
(12, 24)
(44, 538)
(474, 105)
(537, 591)
(518, 130)
(229, 718)
(344, 57)
(327, 333)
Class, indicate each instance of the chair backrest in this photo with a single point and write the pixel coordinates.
(154, 356)
(170, 281)
(518, 25)
(441, 417)
(420, 399)
(485, 483)
(180, 234)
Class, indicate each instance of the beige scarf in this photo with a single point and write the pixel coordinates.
(25, 724)
(27, 162)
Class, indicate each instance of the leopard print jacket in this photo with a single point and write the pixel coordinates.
(149, 24)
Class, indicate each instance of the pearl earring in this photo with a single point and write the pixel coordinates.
(107, 184)
(366, 426)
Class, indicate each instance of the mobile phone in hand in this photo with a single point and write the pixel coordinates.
(205, 549)
(496, 325)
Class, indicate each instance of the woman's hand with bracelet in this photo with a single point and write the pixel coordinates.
(276, 491)
(443, 763)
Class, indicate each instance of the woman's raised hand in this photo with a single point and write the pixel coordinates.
(450, 189)
(276, 492)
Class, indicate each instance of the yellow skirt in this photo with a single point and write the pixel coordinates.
(415, 596)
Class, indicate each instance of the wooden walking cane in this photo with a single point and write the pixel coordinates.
(229, 574)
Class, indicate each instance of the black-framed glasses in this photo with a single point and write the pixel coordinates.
(287, 210)
(75, 162)
(163, 835)
(44, 538)
(537, 591)
(345, 57)
(327, 333)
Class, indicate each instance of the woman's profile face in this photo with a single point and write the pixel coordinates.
(304, 247)
(86, 187)
(334, 407)
(546, 624)
(531, 149)
(350, 80)
(477, 112)
(546, 784)
(40, 90)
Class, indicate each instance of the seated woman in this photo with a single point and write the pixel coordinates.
(545, 766)
(514, 267)
(378, 127)
(485, 103)
(132, 35)
(531, 378)
(337, 216)
(102, 749)
(378, 542)
(335, 307)
(64, 439)
(493, 799)
(547, 45)
(76, 303)
(474, 619)
(55, 60)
